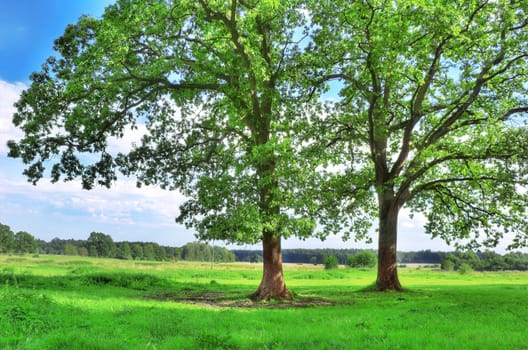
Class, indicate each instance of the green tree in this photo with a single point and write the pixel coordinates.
(7, 239)
(431, 116)
(465, 268)
(450, 262)
(216, 87)
(255, 258)
(331, 262)
(491, 261)
(516, 261)
(101, 245)
(70, 249)
(190, 252)
(92, 251)
(137, 251)
(226, 255)
(469, 258)
(56, 246)
(124, 251)
(362, 259)
(159, 252)
(25, 242)
(448, 265)
(42, 246)
(148, 252)
(83, 251)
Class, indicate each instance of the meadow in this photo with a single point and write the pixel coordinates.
(57, 302)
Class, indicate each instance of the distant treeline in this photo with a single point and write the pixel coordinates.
(481, 261)
(102, 245)
(421, 257)
(318, 256)
(485, 261)
(299, 256)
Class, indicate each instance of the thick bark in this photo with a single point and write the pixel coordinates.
(387, 265)
(272, 285)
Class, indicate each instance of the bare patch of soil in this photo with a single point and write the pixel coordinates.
(221, 299)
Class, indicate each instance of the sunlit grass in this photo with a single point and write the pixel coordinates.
(84, 303)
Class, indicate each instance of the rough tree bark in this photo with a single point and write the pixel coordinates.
(272, 285)
(387, 245)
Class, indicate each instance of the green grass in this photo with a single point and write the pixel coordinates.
(81, 303)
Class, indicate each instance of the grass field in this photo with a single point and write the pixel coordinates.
(81, 303)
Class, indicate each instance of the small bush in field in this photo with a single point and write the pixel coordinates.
(448, 265)
(331, 262)
(362, 259)
(465, 269)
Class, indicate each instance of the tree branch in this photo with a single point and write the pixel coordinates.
(406, 193)
(454, 114)
(416, 110)
(443, 190)
(433, 184)
(513, 111)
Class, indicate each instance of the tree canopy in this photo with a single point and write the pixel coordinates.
(215, 88)
(7, 239)
(101, 244)
(431, 116)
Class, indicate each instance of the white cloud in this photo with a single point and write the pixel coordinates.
(9, 94)
(123, 203)
(130, 137)
(125, 211)
(46, 209)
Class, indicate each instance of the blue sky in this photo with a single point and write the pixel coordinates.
(27, 31)
(28, 28)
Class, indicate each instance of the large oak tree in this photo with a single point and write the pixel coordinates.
(213, 85)
(431, 116)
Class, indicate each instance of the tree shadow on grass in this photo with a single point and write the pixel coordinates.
(150, 287)
(241, 300)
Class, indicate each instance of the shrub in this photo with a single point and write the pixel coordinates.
(365, 258)
(465, 268)
(331, 262)
(137, 281)
(458, 259)
(448, 265)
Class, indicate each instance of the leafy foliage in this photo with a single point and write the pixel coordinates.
(486, 261)
(431, 116)
(24, 242)
(362, 259)
(213, 87)
(7, 239)
(196, 251)
(102, 244)
(331, 262)
(124, 251)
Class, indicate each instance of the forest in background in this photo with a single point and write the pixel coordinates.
(462, 261)
(102, 245)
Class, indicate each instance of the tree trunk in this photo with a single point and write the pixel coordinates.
(272, 285)
(387, 279)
